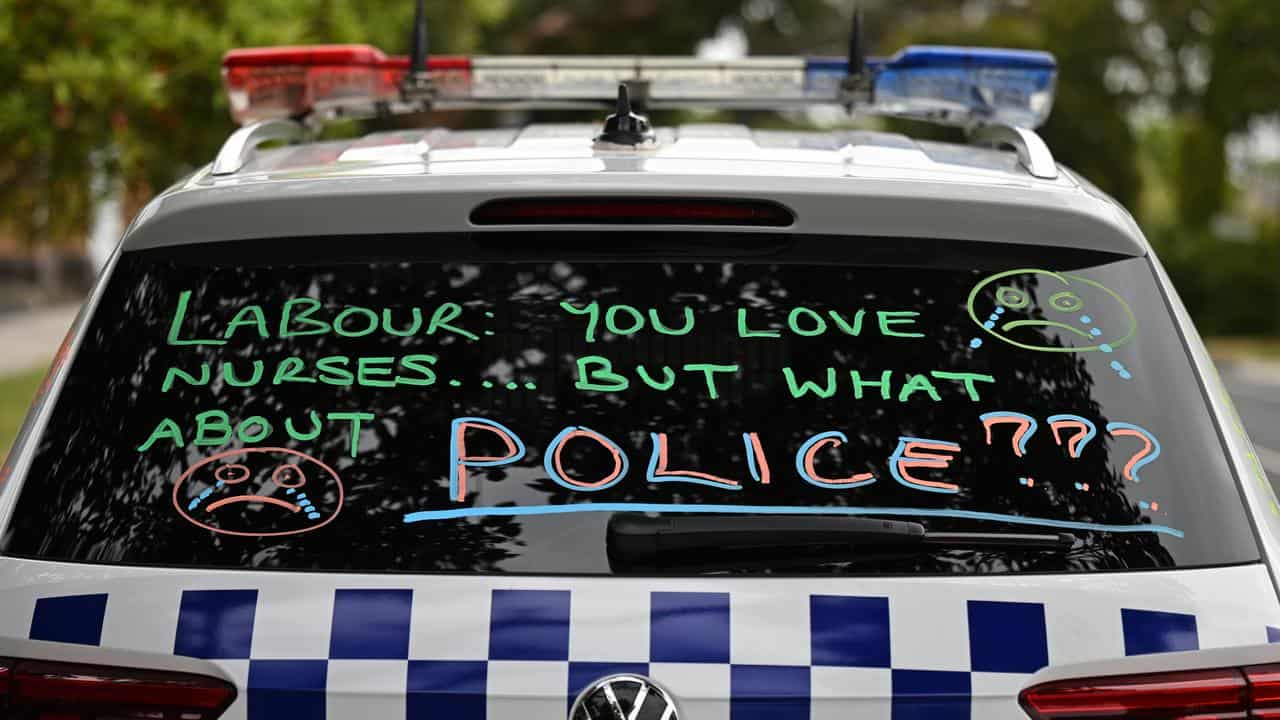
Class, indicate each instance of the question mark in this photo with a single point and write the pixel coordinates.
(1026, 427)
(1150, 450)
(1085, 428)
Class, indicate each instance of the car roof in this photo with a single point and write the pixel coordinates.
(719, 148)
(838, 182)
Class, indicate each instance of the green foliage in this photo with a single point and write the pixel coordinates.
(1245, 48)
(16, 394)
(1230, 287)
(136, 86)
(1200, 167)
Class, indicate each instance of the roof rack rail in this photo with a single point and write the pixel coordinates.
(237, 149)
(1033, 153)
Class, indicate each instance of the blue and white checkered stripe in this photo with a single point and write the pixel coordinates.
(513, 652)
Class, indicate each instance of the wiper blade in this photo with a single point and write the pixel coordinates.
(641, 541)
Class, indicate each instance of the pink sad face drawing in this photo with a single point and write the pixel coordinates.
(259, 492)
(1028, 308)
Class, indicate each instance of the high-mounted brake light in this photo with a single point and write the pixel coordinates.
(631, 211)
(53, 690)
(941, 84)
(1252, 692)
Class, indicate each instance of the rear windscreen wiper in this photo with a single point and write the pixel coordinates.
(639, 541)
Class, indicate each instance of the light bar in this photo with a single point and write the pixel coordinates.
(294, 81)
(956, 86)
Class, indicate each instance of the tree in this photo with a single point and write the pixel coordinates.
(1212, 66)
(136, 85)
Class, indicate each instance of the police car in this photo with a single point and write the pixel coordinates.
(612, 421)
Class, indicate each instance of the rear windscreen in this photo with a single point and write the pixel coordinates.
(487, 403)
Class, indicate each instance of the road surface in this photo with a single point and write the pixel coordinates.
(1255, 388)
(29, 339)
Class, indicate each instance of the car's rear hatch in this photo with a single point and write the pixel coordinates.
(374, 477)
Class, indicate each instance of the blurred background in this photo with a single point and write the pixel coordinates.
(1171, 106)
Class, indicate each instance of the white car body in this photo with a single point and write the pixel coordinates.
(367, 646)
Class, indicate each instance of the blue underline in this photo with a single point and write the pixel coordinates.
(425, 515)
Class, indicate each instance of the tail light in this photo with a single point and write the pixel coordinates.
(631, 211)
(40, 690)
(1264, 691)
(1222, 694)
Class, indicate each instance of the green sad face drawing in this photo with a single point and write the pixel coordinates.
(1052, 312)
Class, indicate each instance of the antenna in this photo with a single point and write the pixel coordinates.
(625, 127)
(418, 39)
(857, 45)
(416, 85)
(857, 86)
